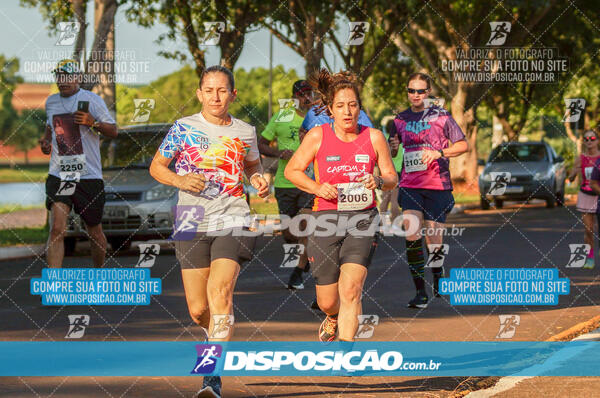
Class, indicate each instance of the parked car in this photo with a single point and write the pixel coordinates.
(137, 206)
(536, 172)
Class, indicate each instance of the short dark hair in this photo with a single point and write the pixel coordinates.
(420, 76)
(299, 86)
(218, 68)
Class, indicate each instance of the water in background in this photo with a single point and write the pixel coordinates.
(23, 193)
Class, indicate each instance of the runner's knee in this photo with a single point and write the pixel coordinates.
(197, 311)
(350, 292)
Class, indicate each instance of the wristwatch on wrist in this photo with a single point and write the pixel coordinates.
(441, 151)
(95, 124)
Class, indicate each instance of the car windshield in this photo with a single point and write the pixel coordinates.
(519, 153)
(130, 150)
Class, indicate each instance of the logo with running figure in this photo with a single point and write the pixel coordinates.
(77, 325)
(68, 33)
(187, 219)
(291, 254)
(500, 181)
(212, 33)
(287, 109)
(68, 183)
(575, 108)
(434, 107)
(437, 254)
(208, 355)
(579, 253)
(142, 109)
(366, 326)
(500, 31)
(357, 34)
(222, 326)
(148, 254)
(508, 326)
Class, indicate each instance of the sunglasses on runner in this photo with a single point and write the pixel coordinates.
(418, 91)
(592, 138)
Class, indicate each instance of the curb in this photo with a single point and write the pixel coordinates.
(587, 331)
(460, 208)
(17, 252)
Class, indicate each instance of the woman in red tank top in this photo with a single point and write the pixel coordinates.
(587, 200)
(346, 220)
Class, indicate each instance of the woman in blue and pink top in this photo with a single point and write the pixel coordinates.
(430, 136)
(344, 154)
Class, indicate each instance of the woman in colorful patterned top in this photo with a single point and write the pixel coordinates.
(211, 149)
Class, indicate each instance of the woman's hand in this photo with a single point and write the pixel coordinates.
(327, 191)
(368, 181)
(190, 182)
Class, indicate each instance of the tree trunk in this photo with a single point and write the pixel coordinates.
(79, 8)
(465, 167)
(231, 44)
(103, 52)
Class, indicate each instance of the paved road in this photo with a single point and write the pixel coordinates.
(518, 236)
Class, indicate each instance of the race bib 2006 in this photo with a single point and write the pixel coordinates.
(353, 196)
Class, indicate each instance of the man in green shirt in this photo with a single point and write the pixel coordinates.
(283, 128)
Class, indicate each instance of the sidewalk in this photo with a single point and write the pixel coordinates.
(544, 386)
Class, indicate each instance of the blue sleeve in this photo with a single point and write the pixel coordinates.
(308, 120)
(364, 120)
(172, 144)
(312, 119)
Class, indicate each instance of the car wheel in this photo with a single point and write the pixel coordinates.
(550, 202)
(560, 198)
(70, 244)
(484, 203)
(119, 243)
(499, 203)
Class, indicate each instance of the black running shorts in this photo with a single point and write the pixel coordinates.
(348, 244)
(87, 199)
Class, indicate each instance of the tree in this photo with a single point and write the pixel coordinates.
(8, 81)
(303, 26)
(185, 20)
(100, 63)
(178, 95)
(28, 128)
(434, 31)
(363, 59)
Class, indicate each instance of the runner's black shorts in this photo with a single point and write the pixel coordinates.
(434, 204)
(203, 248)
(354, 242)
(291, 200)
(87, 200)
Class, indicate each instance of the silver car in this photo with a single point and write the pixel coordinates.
(137, 206)
(523, 171)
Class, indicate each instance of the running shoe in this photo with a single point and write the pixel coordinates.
(296, 281)
(328, 329)
(420, 300)
(211, 387)
(589, 263)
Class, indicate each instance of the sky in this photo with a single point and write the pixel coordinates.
(27, 38)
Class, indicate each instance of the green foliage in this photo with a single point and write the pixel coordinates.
(28, 129)
(175, 95)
